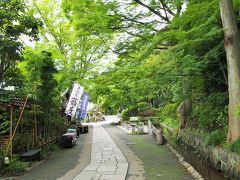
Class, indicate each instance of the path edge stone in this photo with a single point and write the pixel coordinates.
(196, 175)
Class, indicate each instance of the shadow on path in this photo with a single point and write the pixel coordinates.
(64, 163)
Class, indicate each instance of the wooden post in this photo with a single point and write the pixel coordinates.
(35, 128)
(14, 132)
(11, 127)
(33, 135)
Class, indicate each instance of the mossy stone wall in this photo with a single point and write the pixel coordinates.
(217, 157)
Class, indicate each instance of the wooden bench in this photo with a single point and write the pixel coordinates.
(31, 155)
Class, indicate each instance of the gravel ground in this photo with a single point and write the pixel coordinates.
(64, 163)
(158, 162)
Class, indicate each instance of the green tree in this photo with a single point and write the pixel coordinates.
(232, 46)
(77, 39)
(39, 72)
(15, 22)
(189, 49)
(47, 90)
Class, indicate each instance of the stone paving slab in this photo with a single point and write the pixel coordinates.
(107, 161)
(92, 167)
(112, 177)
(85, 175)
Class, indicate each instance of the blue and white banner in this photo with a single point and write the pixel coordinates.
(74, 99)
(83, 107)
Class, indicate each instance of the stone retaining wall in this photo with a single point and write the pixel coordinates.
(219, 158)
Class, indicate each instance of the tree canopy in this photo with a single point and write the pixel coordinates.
(125, 54)
(15, 22)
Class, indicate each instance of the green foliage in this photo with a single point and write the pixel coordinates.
(149, 112)
(15, 21)
(151, 64)
(30, 69)
(216, 137)
(38, 70)
(193, 53)
(14, 78)
(4, 126)
(48, 150)
(77, 35)
(211, 113)
(155, 121)
(5, 95)
(169, 110)
(23, 143)
(237, 111)
(235, 146)
(125, 114)
(48, 83)
(15, 167)
(171, 122)
(142, 106)
(140, 109)
(4, 122)
(167, 114)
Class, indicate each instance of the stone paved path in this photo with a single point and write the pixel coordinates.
(107, 161)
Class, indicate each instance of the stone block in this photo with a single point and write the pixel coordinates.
(122, 168)
(225, 167)
(92, 167)
(122, 164)
(112, 177)
(106, 168)
(233, 173)
(224, 155)
(85, 175)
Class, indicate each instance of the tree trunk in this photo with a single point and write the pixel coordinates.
(232, 47)
(185, 108)
(35, 129)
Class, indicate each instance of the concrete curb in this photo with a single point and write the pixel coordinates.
(187, 165)
(124, 129)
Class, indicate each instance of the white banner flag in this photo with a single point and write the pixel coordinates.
(74, 99)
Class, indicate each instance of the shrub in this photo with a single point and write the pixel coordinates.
(125, 114)
(167, 114)
(48, 150)
(22, 143)
(235, 146)
(155, 121)
(211, 113)
(170, 110)
(140, 109)
(15, 167)
(149, 112)
(53, 147)
(216, 137)
(142, 106)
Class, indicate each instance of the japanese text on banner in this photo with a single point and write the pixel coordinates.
(74, 99)
(83, 107)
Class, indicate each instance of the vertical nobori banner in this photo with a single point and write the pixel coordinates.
(74, 99)
(83, 107)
